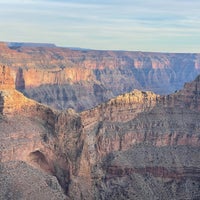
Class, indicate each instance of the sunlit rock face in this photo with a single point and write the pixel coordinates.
(139, 145)
(81, 79)
(145, 146)
(6, 81)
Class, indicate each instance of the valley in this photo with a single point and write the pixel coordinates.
(139, 145)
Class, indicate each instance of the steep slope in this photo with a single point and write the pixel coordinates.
(81, 79)
(145, 146)
(137, 146)
(33, 146)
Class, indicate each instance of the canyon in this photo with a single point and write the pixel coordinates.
(81, 79)
(138, 145)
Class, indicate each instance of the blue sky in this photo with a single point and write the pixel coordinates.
(138, 25)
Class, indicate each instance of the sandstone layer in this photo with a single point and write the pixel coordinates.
(145, 146)
(137, 146)
(81, 79)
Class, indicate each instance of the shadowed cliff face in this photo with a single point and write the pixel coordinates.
(137, 146)
(82, 79)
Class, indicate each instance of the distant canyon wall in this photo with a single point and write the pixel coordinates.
(82, 79)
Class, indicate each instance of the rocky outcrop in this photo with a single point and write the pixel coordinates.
(21, 181)
(52, 76)
(82, 79)
(43, 145)
(137, 146)
(143, 117)
(122, 108)
(149, 172)
(151, 153)
(6, 81)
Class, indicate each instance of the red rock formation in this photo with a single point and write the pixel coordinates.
(137, 146)
(52, 76)
(6, 81)
(122, 108)
(92, 77)
(143, 139)
(161, 172)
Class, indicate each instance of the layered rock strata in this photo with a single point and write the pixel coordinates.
(145, 146)
(137, 146)
(82, 79)
(31, 143)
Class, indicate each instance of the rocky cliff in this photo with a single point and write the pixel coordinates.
(31, 151)
(145, 146)
(82, 79)
(137, 146)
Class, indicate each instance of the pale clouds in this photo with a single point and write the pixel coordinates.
(159, 25)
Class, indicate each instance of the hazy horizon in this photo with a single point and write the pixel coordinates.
(157, 26)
